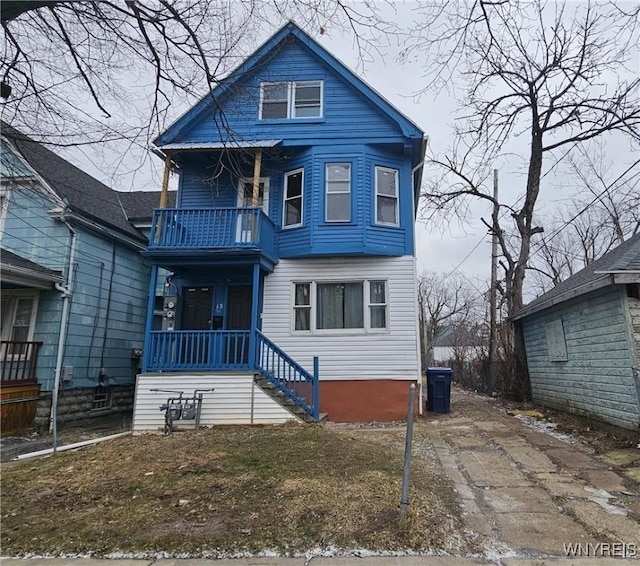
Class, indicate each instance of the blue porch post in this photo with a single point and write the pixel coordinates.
(255, 302)
(151, 303)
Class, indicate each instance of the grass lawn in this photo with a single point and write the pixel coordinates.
(227, 490)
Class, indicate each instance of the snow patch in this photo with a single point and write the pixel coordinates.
(546, 427)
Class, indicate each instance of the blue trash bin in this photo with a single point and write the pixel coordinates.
(439, 389)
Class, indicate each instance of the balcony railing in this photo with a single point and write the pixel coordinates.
(18, 362)
(215, 350)
(197, 350)
(212, 228)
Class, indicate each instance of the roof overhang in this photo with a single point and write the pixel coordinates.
(603, 280)
(31, 278)
(231, 144)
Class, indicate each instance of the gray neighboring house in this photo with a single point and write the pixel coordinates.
(583, 340)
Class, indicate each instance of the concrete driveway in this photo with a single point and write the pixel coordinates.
(528, 492)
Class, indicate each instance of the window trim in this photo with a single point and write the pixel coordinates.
(285, 199)
(370, 304)
(327, 193)
(296, 307)
(291, 99)
(397, 196)
(366, 304)
(6, 333)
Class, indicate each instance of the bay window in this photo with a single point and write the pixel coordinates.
(386, 196)
(338, 192)
(293, 198)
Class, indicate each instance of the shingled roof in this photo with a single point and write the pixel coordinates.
(85, 195)
(139, 205)
(624, 258)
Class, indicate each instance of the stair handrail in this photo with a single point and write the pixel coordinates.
(312, 409)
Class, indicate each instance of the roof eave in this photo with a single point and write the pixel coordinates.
(603, 281)
(25, 277)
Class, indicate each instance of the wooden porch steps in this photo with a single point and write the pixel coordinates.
(284, 401)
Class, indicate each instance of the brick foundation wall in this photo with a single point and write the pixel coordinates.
(366, 400)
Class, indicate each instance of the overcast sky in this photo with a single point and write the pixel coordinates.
(464, 248)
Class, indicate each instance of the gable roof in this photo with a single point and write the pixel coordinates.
(624, 258)
(84, 194)
(139, 205)
(288, 32)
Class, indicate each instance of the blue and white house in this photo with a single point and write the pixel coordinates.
(74, 289)
(291, 254)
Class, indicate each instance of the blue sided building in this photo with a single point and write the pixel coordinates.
(288, 262)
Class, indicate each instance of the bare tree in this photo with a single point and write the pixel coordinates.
(557, 74)
(443, 300)
(78, 72)
(602, 214)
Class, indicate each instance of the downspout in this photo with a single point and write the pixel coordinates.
(415, 282)
(67, 291)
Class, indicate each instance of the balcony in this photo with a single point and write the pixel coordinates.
(191, 232)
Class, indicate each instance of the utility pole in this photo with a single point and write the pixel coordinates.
(493, 315)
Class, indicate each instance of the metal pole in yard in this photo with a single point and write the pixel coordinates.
(404, 500)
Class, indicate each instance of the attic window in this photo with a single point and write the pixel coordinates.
(285, 100)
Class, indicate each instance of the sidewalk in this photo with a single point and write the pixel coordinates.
(328, 561)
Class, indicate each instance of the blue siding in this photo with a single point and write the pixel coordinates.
(346, 112)
(598, 378)
(316, 236)
(31, 233)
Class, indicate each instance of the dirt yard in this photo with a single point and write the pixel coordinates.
(228, 490)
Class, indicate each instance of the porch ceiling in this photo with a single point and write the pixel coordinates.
(175, 260)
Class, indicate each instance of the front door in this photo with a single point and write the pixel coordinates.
(245, 230)
(238, 318)
(239, 307)
(196, 308)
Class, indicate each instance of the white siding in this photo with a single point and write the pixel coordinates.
(236, 400)
(348, 356)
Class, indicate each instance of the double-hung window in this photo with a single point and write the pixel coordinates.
(387, 196)
(378, 304)
(286, 100)
(356, 306)
(338, 192)
(293, 198)
(302, 306)
(18, 319)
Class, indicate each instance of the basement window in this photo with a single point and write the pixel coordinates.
(101, 398)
